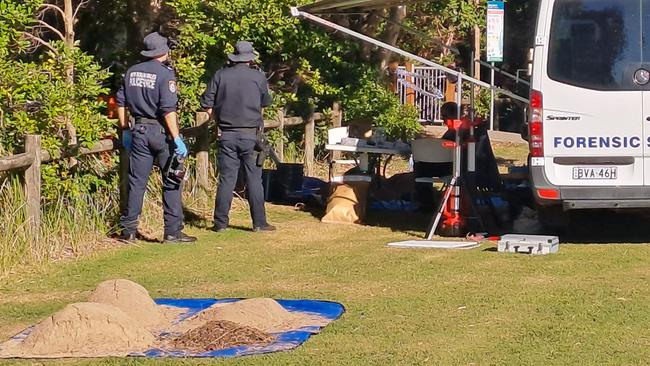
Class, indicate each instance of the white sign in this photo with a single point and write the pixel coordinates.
(495, 21)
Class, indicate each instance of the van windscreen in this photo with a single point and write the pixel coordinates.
(596, 44)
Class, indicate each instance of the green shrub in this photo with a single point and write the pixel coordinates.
(370, 100)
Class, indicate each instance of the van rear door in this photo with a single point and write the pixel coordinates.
(642, 79)
(593, 109)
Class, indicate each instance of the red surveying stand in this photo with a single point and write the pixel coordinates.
(457, 215)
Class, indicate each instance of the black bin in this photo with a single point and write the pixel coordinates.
(281, 183)
(290, 176)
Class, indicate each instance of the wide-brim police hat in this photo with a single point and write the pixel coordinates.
(244, 52)
(155, 45)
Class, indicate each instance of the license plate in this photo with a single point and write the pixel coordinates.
(580, 173)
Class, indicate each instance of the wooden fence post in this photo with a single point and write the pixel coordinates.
(337, 121)
(33, 183)
(310, 144)
(280, 145)
(203, 155)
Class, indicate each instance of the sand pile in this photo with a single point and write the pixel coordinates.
(260, 313)
(121, 318)
(221, 334)
(134, 300)
(82, 330)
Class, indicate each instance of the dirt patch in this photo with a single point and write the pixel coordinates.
(260, 313)
(134, 300)
(221, 334)
(82, 330)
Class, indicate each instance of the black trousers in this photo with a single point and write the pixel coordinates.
(235, 149)
(150, 143)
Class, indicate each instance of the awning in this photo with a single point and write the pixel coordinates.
(345, 6)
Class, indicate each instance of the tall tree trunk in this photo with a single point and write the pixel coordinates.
(390, 35)
(68, 22)
(68, 10)
(369, 27)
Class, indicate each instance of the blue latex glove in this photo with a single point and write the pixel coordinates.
(181, 149)
(127, 138)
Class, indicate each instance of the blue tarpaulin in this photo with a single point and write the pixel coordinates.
(284, 341)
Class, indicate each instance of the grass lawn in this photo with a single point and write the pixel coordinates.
(586, 305)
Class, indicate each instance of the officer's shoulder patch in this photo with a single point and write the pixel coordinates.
(172, 86)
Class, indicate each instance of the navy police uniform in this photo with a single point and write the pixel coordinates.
(236, 96)
(149, 92)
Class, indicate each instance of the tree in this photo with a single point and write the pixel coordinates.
(391, 34)
(66, 13)
(39, 93)
(441, 26)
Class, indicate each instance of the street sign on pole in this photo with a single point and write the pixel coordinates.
(495, 24)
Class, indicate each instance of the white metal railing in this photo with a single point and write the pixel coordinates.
(427, 87)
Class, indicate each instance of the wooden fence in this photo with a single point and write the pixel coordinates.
(34, 156)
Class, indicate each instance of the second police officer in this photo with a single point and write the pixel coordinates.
(235, 98)
(149, 93)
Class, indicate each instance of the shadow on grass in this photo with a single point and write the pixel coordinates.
(601, 227)
(588, 227)
(197, 220)
(147, 238)
(239, 227)
(399, 221)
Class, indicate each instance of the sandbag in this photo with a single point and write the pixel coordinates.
(347, 202)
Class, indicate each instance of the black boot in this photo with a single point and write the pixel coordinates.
(266, 227)
(180, 237)
(127, 238)
(219, 229)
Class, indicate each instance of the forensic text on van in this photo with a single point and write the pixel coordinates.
(598, 142)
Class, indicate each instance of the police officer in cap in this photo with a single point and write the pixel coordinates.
(149, 92)
(235, 97)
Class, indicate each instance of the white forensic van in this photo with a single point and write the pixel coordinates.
(589, 113)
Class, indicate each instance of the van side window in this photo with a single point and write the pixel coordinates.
(595, 44)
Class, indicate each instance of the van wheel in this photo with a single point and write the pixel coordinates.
(554, 219)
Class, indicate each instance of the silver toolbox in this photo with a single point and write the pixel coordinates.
(529, 244)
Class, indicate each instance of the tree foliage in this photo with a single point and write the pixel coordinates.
(307, 67)
(442, 25)
(37, 97)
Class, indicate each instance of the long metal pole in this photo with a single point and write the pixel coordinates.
(458, 159)
(456, 164)
(492, 97)
(297, 13)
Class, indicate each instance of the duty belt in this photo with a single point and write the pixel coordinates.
(146, 121)
(240, 129)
